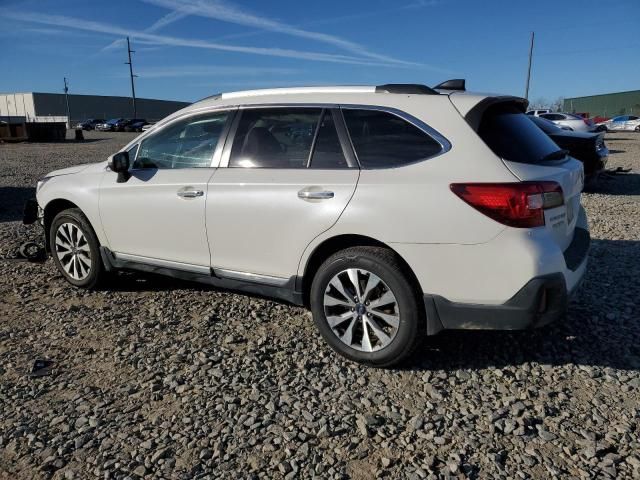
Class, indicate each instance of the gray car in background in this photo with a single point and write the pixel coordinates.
(569, 121)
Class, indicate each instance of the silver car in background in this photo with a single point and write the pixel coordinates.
(621, 122)
(569, 121)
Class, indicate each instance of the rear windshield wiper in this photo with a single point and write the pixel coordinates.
(557, 155)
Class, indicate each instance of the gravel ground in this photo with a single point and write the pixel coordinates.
(159, 379)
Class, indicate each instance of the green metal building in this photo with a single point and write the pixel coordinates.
(606, 105)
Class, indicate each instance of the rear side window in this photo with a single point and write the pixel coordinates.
(512, 136)
(384, 140)
(274, 138)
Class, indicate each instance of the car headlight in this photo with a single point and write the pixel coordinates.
(41, 182)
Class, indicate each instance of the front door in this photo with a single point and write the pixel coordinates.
(158, 215)
(288, 179)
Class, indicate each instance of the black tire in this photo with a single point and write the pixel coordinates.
(385, 264)
(96, 272)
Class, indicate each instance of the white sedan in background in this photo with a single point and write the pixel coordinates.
(569, 121)
(622, 122)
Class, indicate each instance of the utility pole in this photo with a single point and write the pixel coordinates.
(133, 88)
(526, 90)
(66, 99)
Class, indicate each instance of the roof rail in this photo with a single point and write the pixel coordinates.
(298, 90)
(453, 84)
(215, 96)
(407, 88)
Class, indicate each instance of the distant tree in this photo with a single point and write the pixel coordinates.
(558, 105)
(539, 103)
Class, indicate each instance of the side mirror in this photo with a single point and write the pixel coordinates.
(119, 163)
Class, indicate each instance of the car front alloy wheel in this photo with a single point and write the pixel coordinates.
(73, 252)
(75, 249)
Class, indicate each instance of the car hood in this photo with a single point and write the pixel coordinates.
(76, 169)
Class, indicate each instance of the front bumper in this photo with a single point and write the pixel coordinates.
(541, 301)
(31, 212)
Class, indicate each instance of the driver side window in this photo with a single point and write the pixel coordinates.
(188, 143)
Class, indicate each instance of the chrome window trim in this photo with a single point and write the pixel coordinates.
(445, 145)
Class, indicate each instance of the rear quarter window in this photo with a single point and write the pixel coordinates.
(512, 136)
(384, 140)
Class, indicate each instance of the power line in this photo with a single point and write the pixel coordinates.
(133, 88)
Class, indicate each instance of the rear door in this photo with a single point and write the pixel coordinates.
(289, 175)
(532, 156)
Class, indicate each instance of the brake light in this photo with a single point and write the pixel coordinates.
(519, 205)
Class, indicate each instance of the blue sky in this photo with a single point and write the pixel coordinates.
(188, 49)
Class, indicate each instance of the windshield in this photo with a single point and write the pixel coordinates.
(513, 136)
(114, 120)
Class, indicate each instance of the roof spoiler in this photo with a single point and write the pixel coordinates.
(407, 88)
(453, 84)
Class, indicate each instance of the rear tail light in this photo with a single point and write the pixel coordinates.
(519, 205)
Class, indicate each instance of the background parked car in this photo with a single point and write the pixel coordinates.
(622, 122)
(120, 126)
(569, 121)
(589, 148)
(109, 125)
(148, 126)
(135, 125)
(90, 123)
(536, 113)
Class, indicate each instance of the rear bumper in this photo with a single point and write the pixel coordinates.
(541, 301)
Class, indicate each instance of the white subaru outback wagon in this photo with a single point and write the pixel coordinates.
(392, 212)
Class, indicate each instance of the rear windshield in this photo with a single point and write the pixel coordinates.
(513, 136)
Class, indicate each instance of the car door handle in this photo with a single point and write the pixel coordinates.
(311, 195)
(190, 193)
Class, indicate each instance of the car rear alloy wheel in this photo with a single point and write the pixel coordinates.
(367, 305)
(73, 251)
(361, 310)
